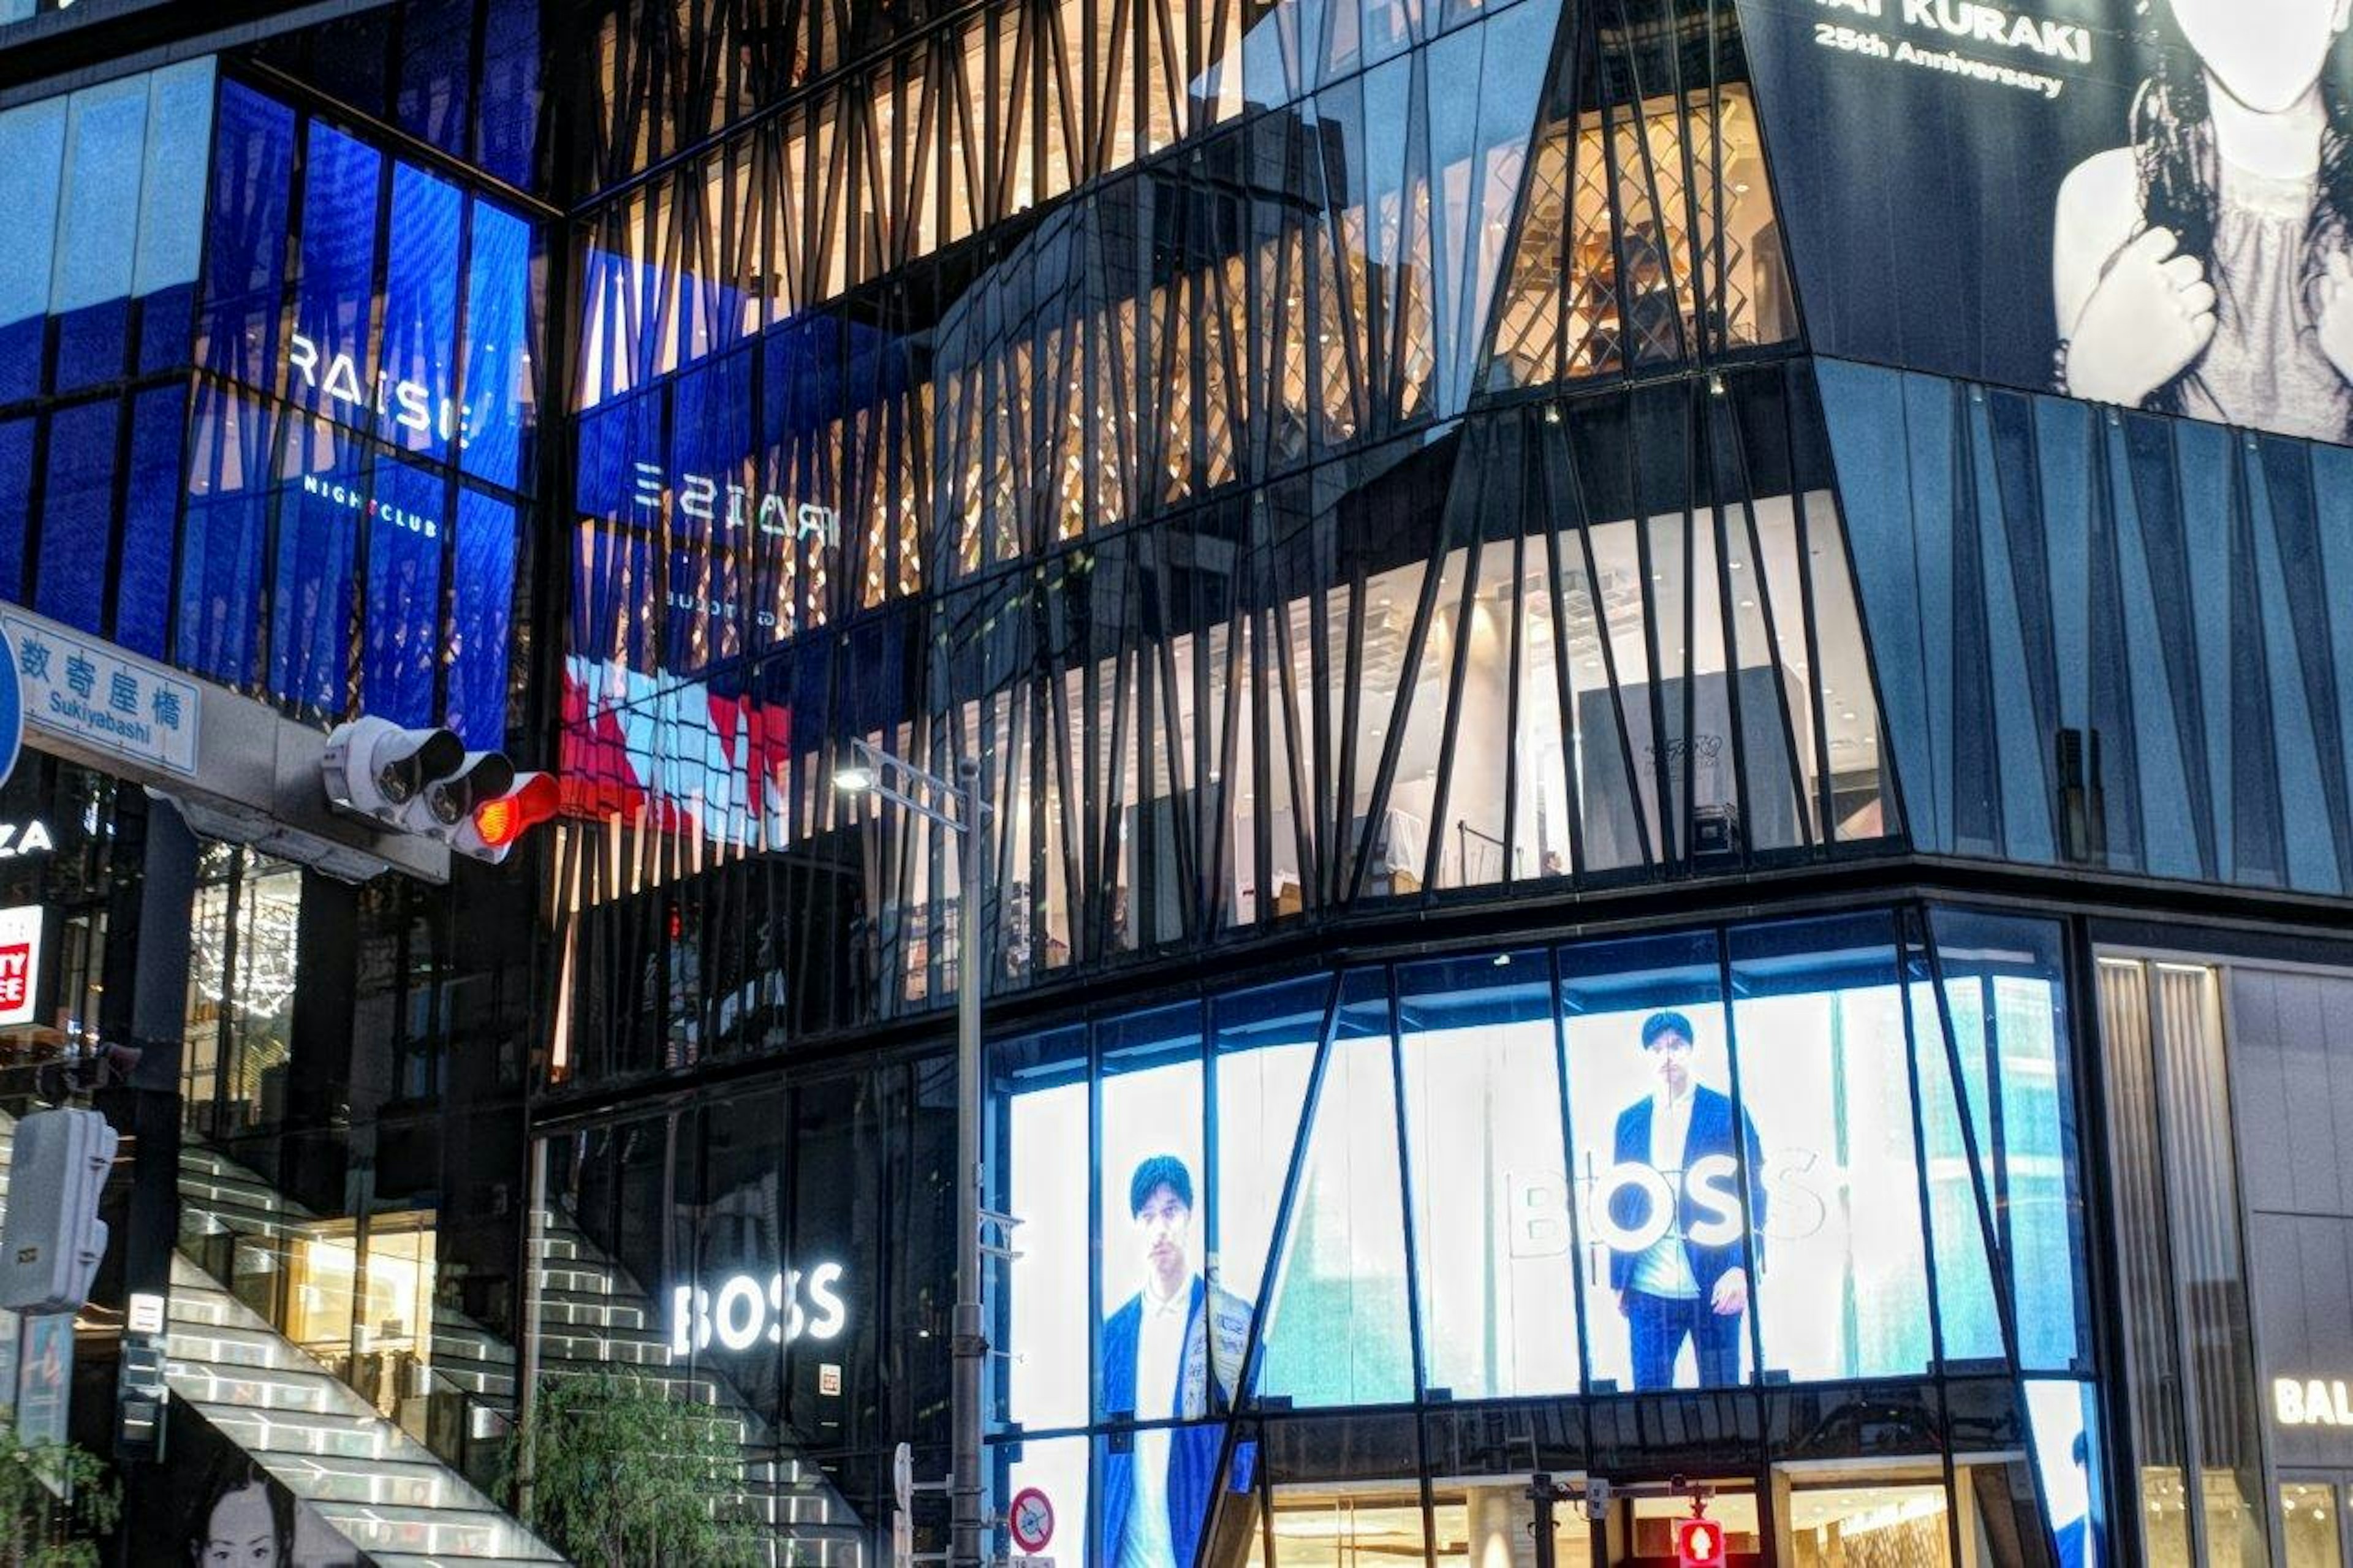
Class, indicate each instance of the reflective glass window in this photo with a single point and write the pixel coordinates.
(2006, 994)
(98, 230)
(1824, 1056)
(16, 503)
(1491, 1226)
(77, 513)
(402, 640)
(330, 362)
(481, 592)
(498, 375)
(1266, 1042)
(1040, 1174)
(1337, 1329)
(142, 588)
(416, 403)
(1153, 1206)
(32, 174)
(322, 505)
(172, 211)
(245, 237)
(221, 539)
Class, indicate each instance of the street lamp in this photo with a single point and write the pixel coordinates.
(957, 806)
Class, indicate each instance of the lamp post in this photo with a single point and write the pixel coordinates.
(957, 806)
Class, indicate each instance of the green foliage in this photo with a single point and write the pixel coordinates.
(56, 1501)
(622, 1473)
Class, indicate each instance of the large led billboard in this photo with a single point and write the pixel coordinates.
(1790, 1155)
(2136, 202)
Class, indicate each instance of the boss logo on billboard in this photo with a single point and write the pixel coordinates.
(1539, 1203)
(701, 496)
(746, 1311)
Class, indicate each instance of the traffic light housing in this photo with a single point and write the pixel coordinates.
(1699, 1543)
(426, 781)
(496, 823)
(374, 768)
(52, 1240)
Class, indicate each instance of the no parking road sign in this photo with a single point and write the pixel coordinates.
(1032, 1519)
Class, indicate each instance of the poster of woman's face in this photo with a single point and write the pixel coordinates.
(2144, 203)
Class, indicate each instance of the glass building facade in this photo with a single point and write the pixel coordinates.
(1664, 689)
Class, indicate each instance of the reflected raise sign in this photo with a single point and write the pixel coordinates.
(746, 1311)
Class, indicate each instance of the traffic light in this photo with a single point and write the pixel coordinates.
(413, 781)
(374, 768)
(1699, 1543)
(495, 824)
(53, 1239)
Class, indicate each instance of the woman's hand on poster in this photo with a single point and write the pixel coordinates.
(1730, 1297)
(2332, 312)
(2150, 319)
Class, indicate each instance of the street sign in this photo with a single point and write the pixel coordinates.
(100, 696)
(1032, 1519)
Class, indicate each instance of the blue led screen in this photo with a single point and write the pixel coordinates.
(404, 593)
(244, 228)
(322, 498)
(420, 315)
(142, 588)
(221, 535)
(75, 510)
(498, 333)
(329, 367)
(235, 340)
(480, 614)
(347, 445)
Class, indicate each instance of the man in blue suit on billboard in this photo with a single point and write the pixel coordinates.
(1688, 1278)
(1173, 1350)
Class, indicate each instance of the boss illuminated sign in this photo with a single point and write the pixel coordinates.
(747, 1312)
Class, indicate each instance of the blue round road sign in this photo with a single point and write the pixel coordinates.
(12, 708)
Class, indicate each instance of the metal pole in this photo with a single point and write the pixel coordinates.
(968, 1543)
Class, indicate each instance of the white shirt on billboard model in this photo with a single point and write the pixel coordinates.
(1664, 1268)
(1159, 1347)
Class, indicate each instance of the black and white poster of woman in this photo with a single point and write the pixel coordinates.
(2137, 202)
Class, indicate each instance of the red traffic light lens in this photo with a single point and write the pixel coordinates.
(502, 819)
(1699, 1542)
(498, 821)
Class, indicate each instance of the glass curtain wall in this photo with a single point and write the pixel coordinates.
(363, 415)
(1514, 655)
(2101, 635)
(1708, 1170)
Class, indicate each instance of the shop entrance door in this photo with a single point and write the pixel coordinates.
(2317, 1518)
